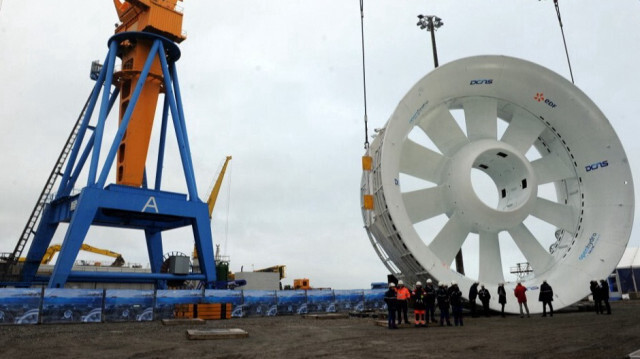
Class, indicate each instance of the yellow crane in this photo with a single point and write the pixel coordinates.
(52, 250)
(213, 196)
(216, 187)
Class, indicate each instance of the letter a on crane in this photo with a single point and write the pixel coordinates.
(151, 203)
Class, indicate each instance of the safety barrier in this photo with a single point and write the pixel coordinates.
(40, 305)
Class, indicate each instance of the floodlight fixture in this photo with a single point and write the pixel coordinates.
(431, 23)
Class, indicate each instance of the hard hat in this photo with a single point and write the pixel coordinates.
(429, 280)
(392, 285)
(453, 282)
(418, 283)
(400, 282)
(440, 284)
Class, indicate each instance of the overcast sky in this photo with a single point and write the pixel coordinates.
(278, 85)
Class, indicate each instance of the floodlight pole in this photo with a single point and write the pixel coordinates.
(431, 23)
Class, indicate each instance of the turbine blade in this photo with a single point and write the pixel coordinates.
(481, 117)
(443, 130)
(419, 161)
(536, 255)
(558, 214)
(551, 168)
(424, 203)
(449, 241)
(522, 132)
(490, 259)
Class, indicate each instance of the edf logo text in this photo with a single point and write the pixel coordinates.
(540, 98)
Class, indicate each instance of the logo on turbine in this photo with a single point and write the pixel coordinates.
(540, 98)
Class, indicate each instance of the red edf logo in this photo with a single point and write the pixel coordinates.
(540, 98)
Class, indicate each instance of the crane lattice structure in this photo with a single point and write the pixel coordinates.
(145, 41)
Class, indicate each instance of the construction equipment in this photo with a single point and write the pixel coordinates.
(52, 250)
(213, 197)
(211, 202)
(302, 283)
(146, 42)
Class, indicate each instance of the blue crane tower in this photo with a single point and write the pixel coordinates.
(145, 41)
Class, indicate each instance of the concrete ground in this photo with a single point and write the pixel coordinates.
(571, 334)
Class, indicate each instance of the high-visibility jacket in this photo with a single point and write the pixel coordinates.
(403, 293)
(520, 293)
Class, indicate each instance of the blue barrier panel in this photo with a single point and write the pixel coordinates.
(223, 296)
(257, 303)
(128, 305)
(166, 301)
(291, 302)
(20, 306)
(321, 300)
(72, 305)
(349, 300)
(374, 299)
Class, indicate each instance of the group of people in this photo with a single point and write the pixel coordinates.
(600, 294)
(424, 299)
(448, 297)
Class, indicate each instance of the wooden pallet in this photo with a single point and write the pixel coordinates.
(207, 311)
(208, 334)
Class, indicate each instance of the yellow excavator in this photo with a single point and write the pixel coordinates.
(52, 250)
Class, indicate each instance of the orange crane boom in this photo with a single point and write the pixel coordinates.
(162, 18)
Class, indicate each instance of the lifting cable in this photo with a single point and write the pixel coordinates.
(364, 76)
(226, 222)
(555, 2)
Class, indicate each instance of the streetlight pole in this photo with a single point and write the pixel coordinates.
(431, 23)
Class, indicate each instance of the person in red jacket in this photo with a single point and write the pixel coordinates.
(403, 295)
(519, 292)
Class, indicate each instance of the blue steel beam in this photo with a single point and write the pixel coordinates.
(102, 117)
(180, 136)
(85, 154)
(162, 144)
(174, 80)
(81, 132)
(129, 201)
(127, 114)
